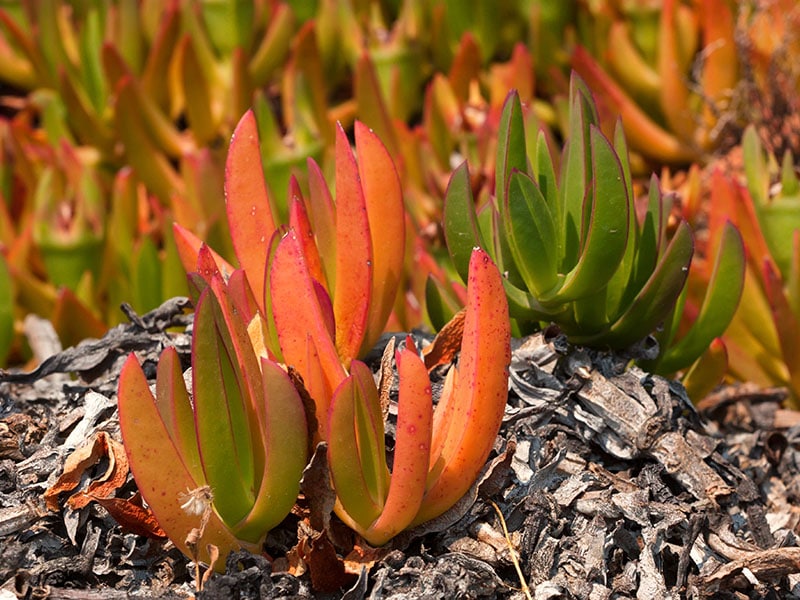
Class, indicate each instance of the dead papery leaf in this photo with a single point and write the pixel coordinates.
(444, 347)
(326, 569)
(131, 516)
(363, 556)
(386, 376)
(81, 460)
(308, 404)
(107, 485)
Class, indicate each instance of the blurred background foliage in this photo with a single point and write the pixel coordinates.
(115, 118)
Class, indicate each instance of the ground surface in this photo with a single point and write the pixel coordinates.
(610, 483)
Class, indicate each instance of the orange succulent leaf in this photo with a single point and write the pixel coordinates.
(787, 323)
(642, 132)
(386, 215)
(242, 296)
(250, 216)
(189, 250)
(480, 390)
(298, 316)
(674, 87)
(299, 221)
(707, 372)
(322, 214)
(158, 467)
(412, 448)
(720, 67)
(352, 293)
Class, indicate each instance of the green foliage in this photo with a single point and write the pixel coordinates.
(571, 245)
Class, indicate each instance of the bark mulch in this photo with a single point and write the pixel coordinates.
(605, 483)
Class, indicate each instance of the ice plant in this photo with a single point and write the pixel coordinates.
(227, 459)
(763, 337)
(572, 247)
(325, 285)
(669, 70)
(438, 452)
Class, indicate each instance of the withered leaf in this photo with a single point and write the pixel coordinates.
(131, 516)
(444, 347)
(114, 478)
(76, 464)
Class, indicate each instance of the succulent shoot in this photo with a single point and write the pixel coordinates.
(438, 452)
(243, 433)
(570, 244)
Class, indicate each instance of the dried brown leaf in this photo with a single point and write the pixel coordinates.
(444, 347)
(131, 516)
(76, 464)
(105, 486)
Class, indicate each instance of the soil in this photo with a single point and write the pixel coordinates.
(606, 482)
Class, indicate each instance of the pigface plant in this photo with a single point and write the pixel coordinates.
(228, 459)
(438, 452)
(325, 285)
(571, 246)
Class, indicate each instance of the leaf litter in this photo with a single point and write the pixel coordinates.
(605, 483)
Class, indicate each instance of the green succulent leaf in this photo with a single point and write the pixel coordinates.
(222, 422)
(285, 441)
(719, 304)
(353, 488)
(511, 154)
(531, 232)
(6, 309)
(656, 299)
(607, 234)
(460, 223)
(176, 413)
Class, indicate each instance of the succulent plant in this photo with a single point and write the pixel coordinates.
(762, 337)
(438, 452)
(669, 71)
(237, 446)
(572, 247)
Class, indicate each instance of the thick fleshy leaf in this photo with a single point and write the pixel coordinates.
(607, 234)
(298, 316)
(223, 433)
(460, 223)
(322, 214)
(511, 155)
(412, 448)
(354, 256)
(369, 433)
(657, 298)
(531, 233)
(386, 213)
(707, 372)
(176, 413)
(786, 321)
(189, 250)
(480, 389)
(197, 94)
(674, 85)
(299, 221)
(719, 305)
(371, 102)
(285, 439)
(250, 216)
(358, 506)
(239, 346)
(150, 164)
(160, 473)
(644, 134)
